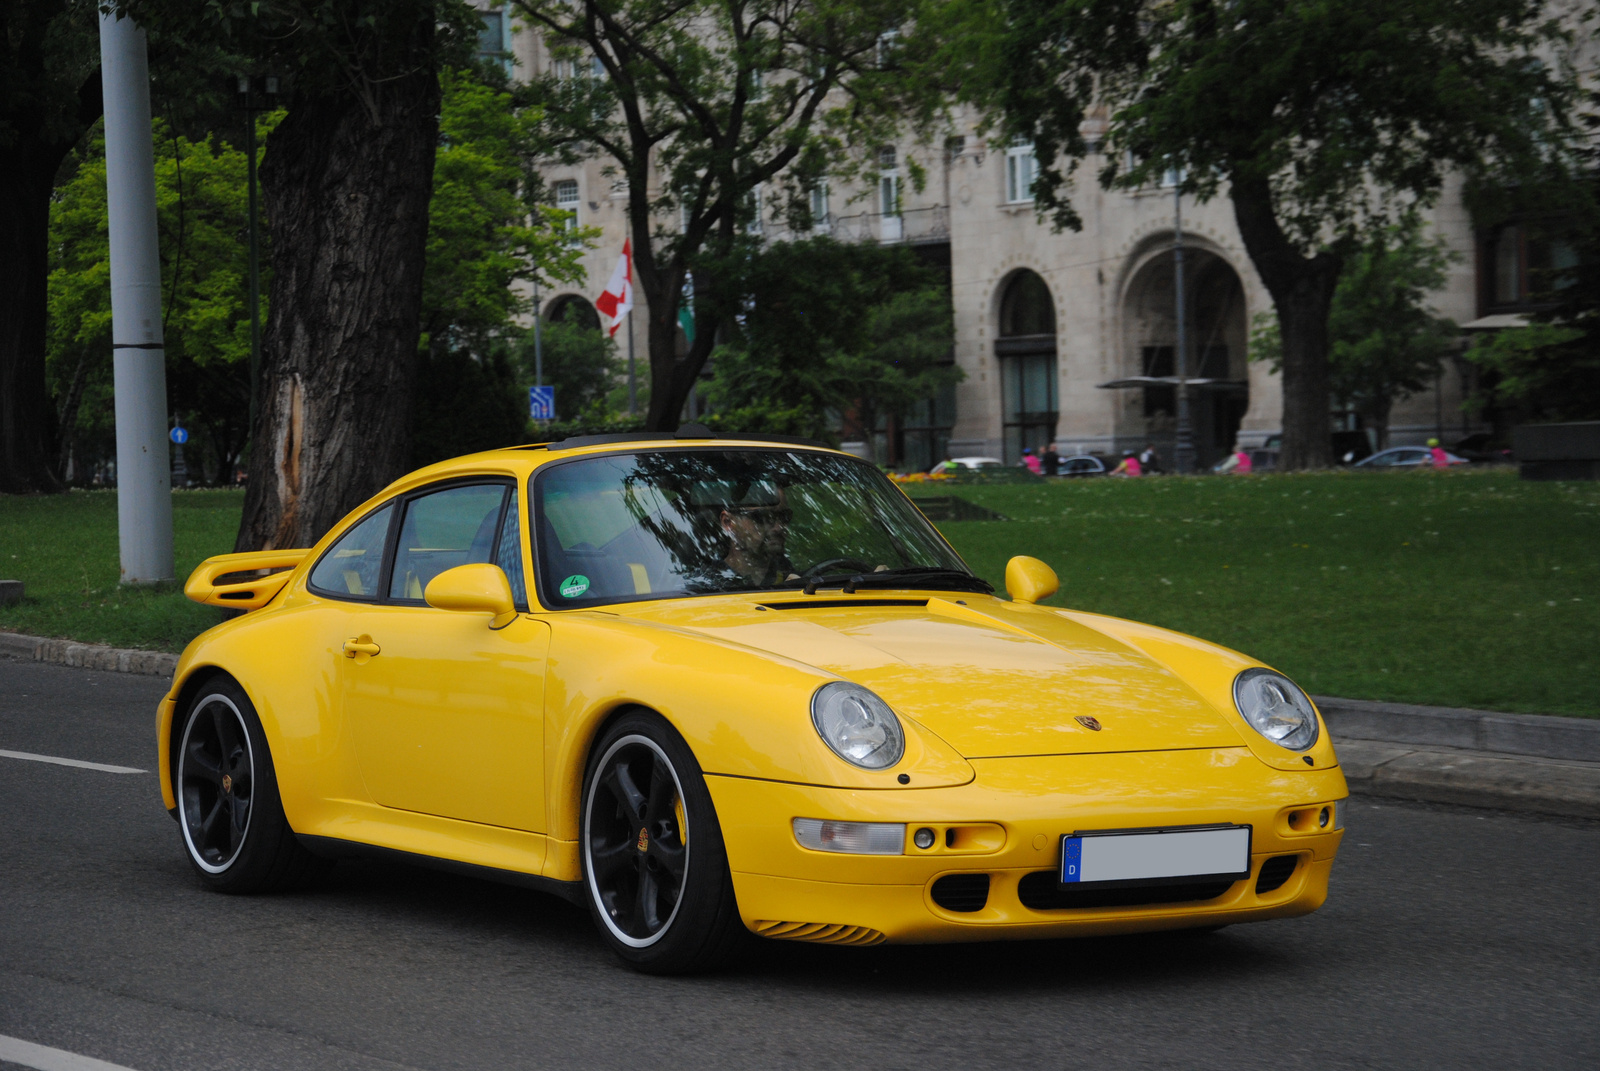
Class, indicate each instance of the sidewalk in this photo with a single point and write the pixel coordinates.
(1477, 758)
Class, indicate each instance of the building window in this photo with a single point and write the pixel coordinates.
(820, 218)
(888, 43)
(755, 203)
(1173, 176)
(1522, 265)
(1027, 352)
(567, 200)
(888, 181)
(1021, 169)
(491, 38)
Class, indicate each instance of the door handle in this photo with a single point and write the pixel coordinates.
(361, 645)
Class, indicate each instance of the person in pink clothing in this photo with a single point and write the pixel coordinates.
(1031, 460)
(1441, 460)
(1241, 458)
(1129, 466)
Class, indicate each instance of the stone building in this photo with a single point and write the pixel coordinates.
(1050, 326)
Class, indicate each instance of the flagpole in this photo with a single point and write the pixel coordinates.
(633, 383)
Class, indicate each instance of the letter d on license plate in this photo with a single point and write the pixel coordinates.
(1157, 856)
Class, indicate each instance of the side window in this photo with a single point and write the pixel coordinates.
(508, 555)
(442, 530)
(351, 566)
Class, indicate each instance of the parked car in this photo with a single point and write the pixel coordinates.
(1405, 457)
(711, 688)
(974, 463)
(1080, 465)
(1349, 447)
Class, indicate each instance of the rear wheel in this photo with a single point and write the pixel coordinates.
(229, 813)
(655, 869)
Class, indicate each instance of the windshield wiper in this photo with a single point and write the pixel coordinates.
(923, 576)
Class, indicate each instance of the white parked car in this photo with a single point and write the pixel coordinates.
(1405, 457)
(971, 463)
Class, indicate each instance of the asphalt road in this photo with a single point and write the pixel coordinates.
(1451, 939)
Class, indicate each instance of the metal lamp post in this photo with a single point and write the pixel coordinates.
(1185, 446)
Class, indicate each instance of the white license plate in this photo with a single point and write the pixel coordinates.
(1159, 856)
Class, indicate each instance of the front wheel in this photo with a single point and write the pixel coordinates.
(232, 822)
(654, 866)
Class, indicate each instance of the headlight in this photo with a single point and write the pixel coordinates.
(1275, 708)
(857, 725)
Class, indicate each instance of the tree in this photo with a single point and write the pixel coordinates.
(698, 103)
(346, 183)
(819, 326)
(49, 95)
(1318, 120)
(1385, 344)
(580, 362)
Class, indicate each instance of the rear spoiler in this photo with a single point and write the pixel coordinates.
(254, 577)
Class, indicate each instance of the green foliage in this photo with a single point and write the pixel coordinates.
(201, 220)
(580, 362)
(486, 232)
(488, 236)
(823, 326)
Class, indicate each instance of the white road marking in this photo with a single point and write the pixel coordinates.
(44, 1058)
(70, 762)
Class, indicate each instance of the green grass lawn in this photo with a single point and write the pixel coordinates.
(64, 549)
(1465, 589)
(1460, 588)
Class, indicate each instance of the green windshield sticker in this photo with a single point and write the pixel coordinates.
(574, 586)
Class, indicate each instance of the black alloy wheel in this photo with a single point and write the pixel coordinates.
(655, 869)
(216, 782)
(229, 812)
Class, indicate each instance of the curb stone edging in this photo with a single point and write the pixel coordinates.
(1541, 735)
(88, 655)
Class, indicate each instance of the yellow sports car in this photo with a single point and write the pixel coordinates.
(710, 687)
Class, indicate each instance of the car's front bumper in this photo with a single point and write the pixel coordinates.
(1010, 820)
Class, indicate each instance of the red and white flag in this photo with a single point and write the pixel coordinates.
(617, 299)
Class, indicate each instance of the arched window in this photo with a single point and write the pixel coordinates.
(572, 309)
(1027, 352)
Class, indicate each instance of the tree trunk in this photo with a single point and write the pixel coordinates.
(346, 182)
(1302, 292)
(36, 146)
(672, 378)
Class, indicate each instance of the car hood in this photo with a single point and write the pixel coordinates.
(988, 677)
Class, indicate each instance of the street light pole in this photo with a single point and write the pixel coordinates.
(1185, 445)
(138, 351)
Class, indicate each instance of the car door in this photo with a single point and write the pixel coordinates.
(445, 712)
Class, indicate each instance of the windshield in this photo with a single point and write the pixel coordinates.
(678, 522)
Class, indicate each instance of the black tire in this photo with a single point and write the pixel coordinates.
(230, 816)
(663, 901)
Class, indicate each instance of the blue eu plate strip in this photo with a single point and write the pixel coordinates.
(1071, 859)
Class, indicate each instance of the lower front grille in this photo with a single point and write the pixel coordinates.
(1274, 872)
(1042, 891)
(820, 932)
(962, 892)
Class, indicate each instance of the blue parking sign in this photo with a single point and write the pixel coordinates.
(542, 403)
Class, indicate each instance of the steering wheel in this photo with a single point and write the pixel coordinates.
(822, 567)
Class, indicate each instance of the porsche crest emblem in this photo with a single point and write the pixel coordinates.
(227, 782)
(1088, 722)
(644, 837)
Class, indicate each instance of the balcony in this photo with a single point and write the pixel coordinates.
(914, 226)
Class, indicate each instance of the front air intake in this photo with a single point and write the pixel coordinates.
(962, 892)
(1274, 872)
(1042, 891)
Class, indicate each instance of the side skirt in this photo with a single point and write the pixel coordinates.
(334, 848)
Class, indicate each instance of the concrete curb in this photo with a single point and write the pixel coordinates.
(1517, 762)
(88, 655)
(1471, 730)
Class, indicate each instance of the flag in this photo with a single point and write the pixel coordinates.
(617, 300)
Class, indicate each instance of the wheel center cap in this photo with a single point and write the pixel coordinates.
(227, 782)
(644, 837)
